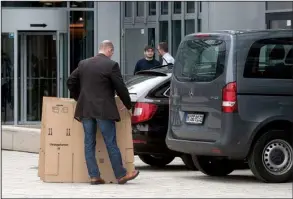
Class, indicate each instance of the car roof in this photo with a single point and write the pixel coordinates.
(161, 70)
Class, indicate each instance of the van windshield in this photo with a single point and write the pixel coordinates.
(200, 59)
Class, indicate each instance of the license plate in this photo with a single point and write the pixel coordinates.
(194, 118)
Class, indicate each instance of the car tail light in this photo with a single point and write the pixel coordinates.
(143, 112)
(229, 98)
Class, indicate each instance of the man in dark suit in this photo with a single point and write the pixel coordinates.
(93, 84)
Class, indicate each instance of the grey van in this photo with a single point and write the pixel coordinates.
(231, 99)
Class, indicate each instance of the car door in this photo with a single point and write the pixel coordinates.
(199, 77)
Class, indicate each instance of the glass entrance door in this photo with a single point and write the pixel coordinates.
(39, 69)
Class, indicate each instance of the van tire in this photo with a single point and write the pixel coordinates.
(156, 160)
(188, 162)
(212, 166)
(260, 158)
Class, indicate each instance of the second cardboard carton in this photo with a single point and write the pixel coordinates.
(61, 157)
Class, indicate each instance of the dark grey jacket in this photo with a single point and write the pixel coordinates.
(93, 84)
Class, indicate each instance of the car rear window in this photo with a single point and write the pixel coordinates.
(200, 59)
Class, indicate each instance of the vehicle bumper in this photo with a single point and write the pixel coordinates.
(234, 142)
(145, 145)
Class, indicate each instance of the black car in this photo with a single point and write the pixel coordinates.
(149, 92)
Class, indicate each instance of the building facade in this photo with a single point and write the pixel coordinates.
(42, 42)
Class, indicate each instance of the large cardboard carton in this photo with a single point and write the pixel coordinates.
(61, 157)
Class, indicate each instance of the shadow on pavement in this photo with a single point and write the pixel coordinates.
(166, 168)
(229, 178)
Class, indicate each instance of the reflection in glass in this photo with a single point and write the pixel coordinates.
(189, 26)
(176, 35)
(164, 7)
(81, 4)
(7, 78)
(33, 4)
(190, 7)
(152, 8)
(81, 37)
(177, 7)
(128, 8)
(140, 8)
(41, 76)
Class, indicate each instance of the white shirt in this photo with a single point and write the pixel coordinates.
(167, 59)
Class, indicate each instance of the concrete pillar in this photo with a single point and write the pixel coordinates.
(108, 20)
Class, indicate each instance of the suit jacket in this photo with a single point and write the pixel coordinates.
(93, 84)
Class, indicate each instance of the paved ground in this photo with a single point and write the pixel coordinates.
(19, 179)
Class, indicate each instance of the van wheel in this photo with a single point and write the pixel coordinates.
(212, 166)
(271, 158)
(156, 160)
(187, 160)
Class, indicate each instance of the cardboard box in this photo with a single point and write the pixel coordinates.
(61, 157)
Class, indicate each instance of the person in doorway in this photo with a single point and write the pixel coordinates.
(164, 53)
(93, 84)
(148, 61)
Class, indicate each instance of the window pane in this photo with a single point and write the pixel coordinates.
(280, 24)
(7, 77)
(200, 6)
(176, 35)
(140, 8)
(164, 7)
(63, 56)
(128, 8)
(164, 31)
(177, 7)
(152, 8)
(151, 36)
(81, 36)
(33, 4)
(279, 5)
(198, 25)
(200, 59)
(189, 26)
(270, 58)
(190, 7)
(81, 4)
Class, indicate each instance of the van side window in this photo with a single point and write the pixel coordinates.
(270, 59)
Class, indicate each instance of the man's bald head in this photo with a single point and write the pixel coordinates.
(107, 48)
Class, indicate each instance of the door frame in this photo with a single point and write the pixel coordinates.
(278, 16)
(22, 37)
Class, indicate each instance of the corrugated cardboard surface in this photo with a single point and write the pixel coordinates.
(61, 157)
